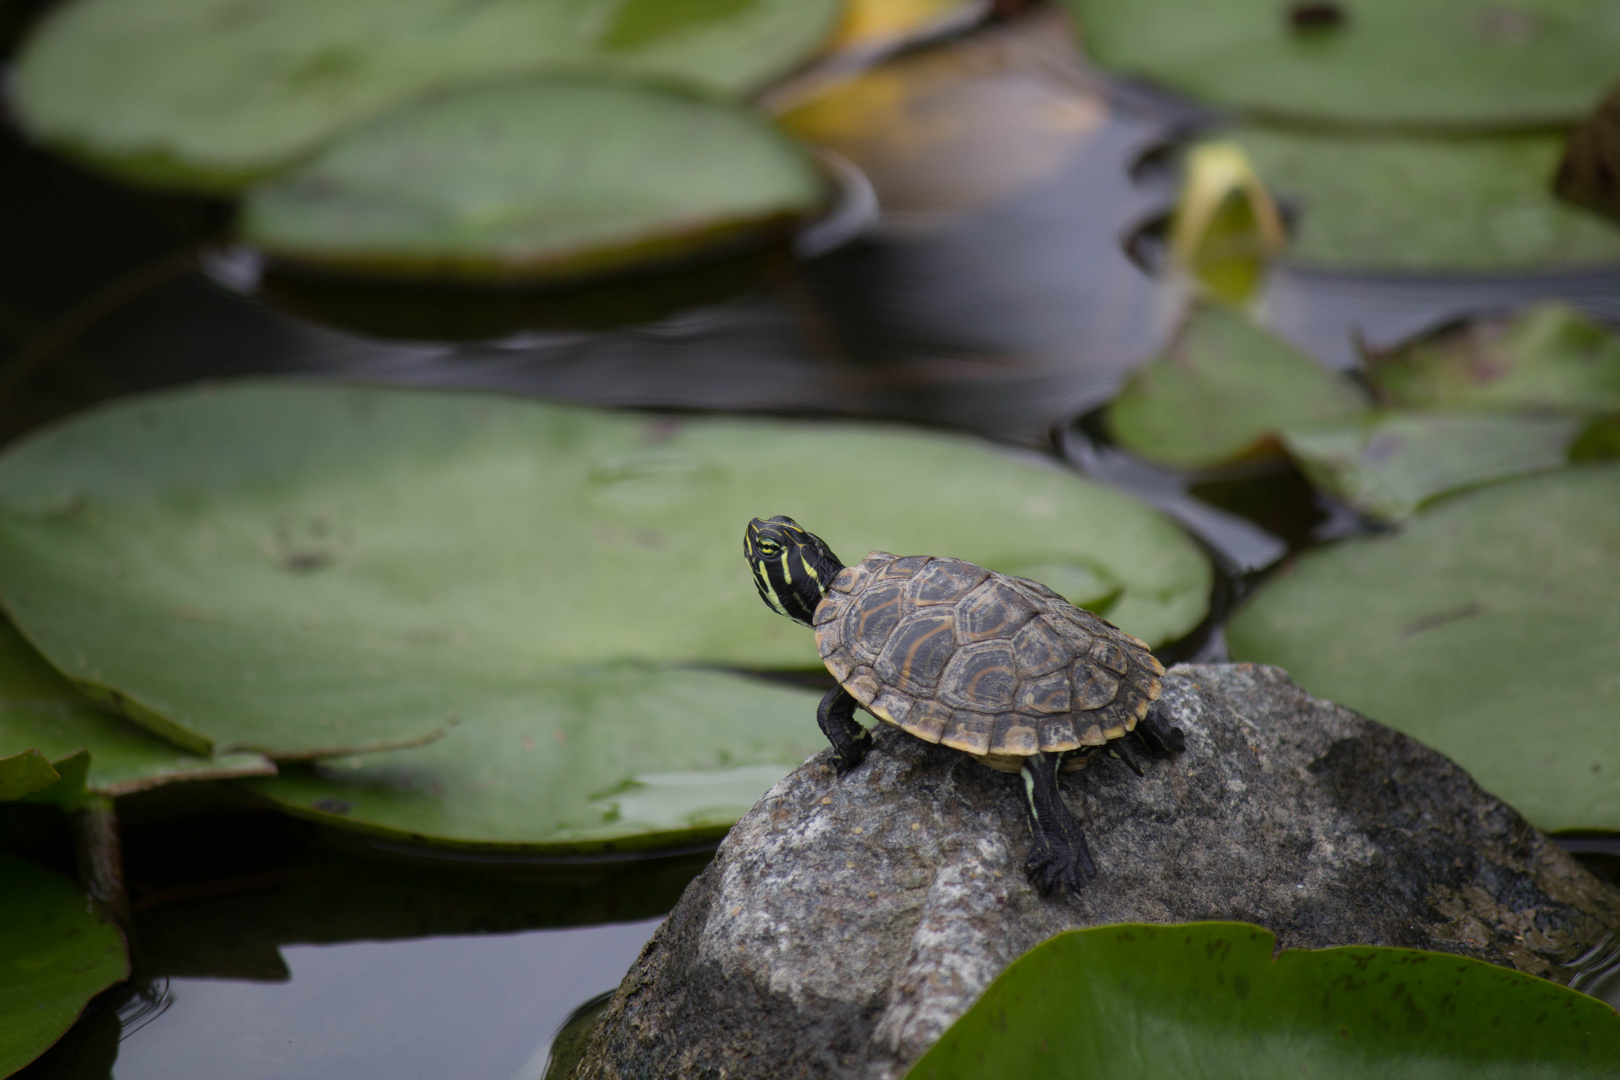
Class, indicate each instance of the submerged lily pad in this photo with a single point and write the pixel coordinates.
(1224, 389)
(600, 760)
(1208, 999)
(314, 570)
(57, 951)
(1548, 356)
(43, 712)
(548, 178)
(1391, 203)
(1486, 628)
(216, 93)
(1407, 62)
(1395, 462)
(950, 130)
(877, 25)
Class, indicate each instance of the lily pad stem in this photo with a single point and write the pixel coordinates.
(94, 822)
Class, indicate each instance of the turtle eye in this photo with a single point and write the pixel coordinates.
(770, 548)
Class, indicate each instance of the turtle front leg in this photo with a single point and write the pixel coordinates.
(836, 715)
(1059, 855)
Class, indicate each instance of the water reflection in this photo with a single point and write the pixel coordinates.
(994, 296)
(476, 1008)
(1597, 971)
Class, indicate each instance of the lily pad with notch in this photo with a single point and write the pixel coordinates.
(311, 571)
(1437, 64)
(1136, 1001)
(83, 747)
(216, 94)
(1485, 628)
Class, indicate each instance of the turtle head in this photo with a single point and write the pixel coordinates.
(792, 568)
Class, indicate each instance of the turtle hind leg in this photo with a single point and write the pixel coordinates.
(1156, 735)
(1059, 856)
(836, 715)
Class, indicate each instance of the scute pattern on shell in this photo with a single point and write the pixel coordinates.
(981, 662)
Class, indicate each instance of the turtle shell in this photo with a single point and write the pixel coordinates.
(996, 666)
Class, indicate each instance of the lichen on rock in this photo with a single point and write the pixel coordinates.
(847, 922)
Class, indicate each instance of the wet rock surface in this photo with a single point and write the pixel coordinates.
(846, 922)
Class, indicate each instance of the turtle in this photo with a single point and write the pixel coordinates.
(999, 667)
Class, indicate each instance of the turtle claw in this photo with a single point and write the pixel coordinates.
(1058, 856)
(1050, 869)
(851, 754)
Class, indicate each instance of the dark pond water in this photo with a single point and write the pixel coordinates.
(1004, 306)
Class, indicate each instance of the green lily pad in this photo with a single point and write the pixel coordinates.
(1395, 204)
(549, 178)
(1393, 463)
(42, 711)
(1208, 999)
(1408, 62)
(25, 773)
(583, 761)
(213, 94)
(1549, 356)
(1223, 390)
(57, 951)
(1485, 628)
(309, 571)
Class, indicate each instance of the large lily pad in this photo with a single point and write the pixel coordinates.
(1486, 628)
(44, 714)
(548, 178)
(1395, 462)
(309, 571)
(214, 93)
(1208, 999)
(1224, 389)
(1428, 205)
(599, 760)
(1408, 62)
(57, 951)
(1548, 356)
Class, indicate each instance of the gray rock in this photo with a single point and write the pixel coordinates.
(845, 923)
